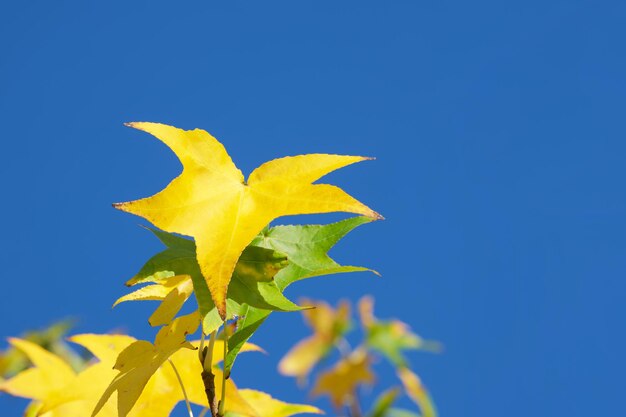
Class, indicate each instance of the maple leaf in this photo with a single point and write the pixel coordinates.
(328, 326)
(391, 337)
(211, 201)
(138, 362)
(306, 248)
(341, 381)
(267, 406)
(172, 292)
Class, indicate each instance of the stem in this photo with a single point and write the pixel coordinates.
(208, 378)
(208, 358)
(182, 386)
(201, 350)
(203, 412)
(223, 400)
(355, 408)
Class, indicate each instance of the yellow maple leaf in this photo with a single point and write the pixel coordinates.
(341, 381)
(138, 362)
(211, 201)
(171, 291)
(417, 392)
(266, 406)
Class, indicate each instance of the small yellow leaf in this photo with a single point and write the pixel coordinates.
(328, 324)
(140, 360)
(340, 383)
(266, 406)
(301, 358)
(417, 392)
(211, 201)
(172, 303)
(157, 291)
(173, 292)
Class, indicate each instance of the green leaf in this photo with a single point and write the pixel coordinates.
(252, 282)
(383, 403)
(306, 247)
(401, 412)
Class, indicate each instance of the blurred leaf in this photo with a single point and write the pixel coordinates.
(266, 406)
(212, 202)
(400, 412)
(383, 403)
(340, 383)
(391, 337)
(328, 326)
(12, 360)
(417, 392)
(49, 375)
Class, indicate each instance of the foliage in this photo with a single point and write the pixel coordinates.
(220, 247)
(353, 370)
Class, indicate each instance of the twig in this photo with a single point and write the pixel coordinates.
(203, 412)
(223, 400)
(182, 386)
(208, 378)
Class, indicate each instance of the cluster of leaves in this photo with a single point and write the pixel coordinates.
(353, 370)
(57, 390)
(219, 247)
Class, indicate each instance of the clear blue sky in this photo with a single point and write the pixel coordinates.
(500, 137)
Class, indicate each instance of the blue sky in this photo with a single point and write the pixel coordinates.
(499, 136)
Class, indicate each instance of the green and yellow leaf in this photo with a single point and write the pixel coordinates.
(417, 392)
(391, 337)
(211, 201)
(307, 249)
